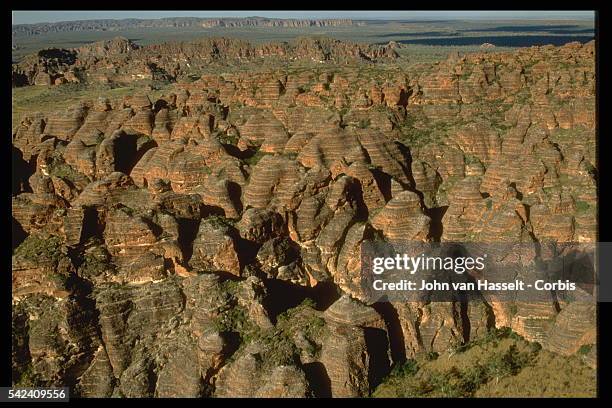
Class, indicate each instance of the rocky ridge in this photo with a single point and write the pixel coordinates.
(176, 22)
(120, 60)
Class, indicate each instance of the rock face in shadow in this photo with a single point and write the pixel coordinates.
(207, 242)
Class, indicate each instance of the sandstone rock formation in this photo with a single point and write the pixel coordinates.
(121, 60)
(167, 247)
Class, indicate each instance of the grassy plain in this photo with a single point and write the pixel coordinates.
(500, 364)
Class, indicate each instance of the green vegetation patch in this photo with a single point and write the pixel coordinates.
(302, 318)
(36, 98)
(277, 343)
(500, 363)
(493, 337)
(63, 170)
(227, 139)
(416, 133)
(498, 354)
(219, 221)
(95, 263)
(417, 137)
(254, 159)
(277, 349)
(234, 319)
(582, 206)
(42, 249)
(585, 349)
(37, 247)
(59, 168)
(28, 378)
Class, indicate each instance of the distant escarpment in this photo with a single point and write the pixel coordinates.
(174, 22)
(207, 242)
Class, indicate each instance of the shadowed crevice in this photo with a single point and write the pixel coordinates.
(394, 328)
(318, 379)
(284, 295)
(436, 227)
(377, 345)
(187, 232)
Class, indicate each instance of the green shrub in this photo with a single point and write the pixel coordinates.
(254, 159)
(28, 378)
(219, 221)
(224, 138)
(409, 368)
(278, 349)
(36, 247)
(95, 263)
(432, 355)
(302, 318)
(582, 206)
(233, 319)
(585, 349)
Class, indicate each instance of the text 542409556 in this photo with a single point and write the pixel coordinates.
(34, 394)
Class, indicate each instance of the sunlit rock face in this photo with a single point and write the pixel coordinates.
(164, 245)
